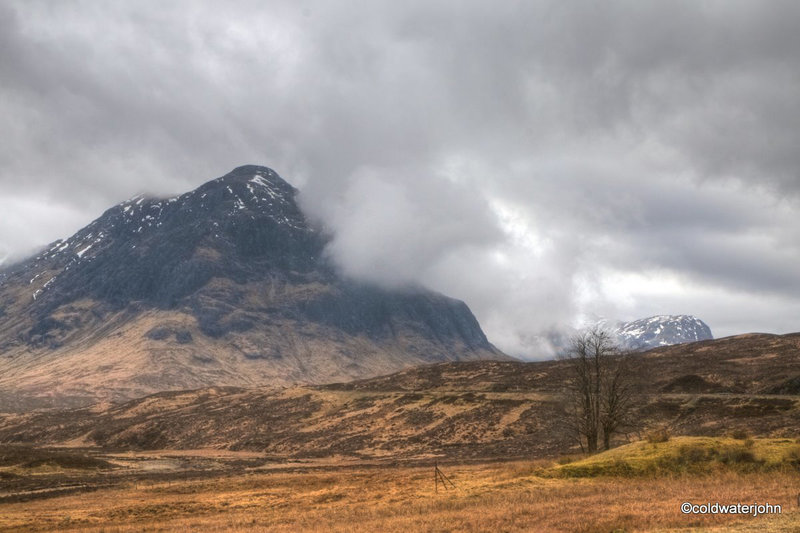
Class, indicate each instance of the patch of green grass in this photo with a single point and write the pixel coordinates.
(686, 455)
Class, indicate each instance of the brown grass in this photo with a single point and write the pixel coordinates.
(494, 497)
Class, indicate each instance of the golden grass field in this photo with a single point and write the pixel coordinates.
(514, 496)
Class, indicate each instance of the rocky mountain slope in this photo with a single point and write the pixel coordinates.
(486, 409)
(662, 330)
(224, 285)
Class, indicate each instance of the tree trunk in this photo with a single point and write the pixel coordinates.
(591, 443)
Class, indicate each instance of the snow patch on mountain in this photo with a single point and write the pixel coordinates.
(249, 192)
(661, 330)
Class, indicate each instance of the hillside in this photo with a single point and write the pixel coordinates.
(483, 409)
(225, 285)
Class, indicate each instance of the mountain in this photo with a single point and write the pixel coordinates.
(662, 330)
(228, 284)
(488, 409)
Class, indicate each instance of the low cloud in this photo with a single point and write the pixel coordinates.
(394, 227)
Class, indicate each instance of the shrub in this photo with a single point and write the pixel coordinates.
(693, 453)
(792, 456)
(688, 458)
(617, 467)
(740, 434)
(657, 435)
(620, 468)
(737, 455)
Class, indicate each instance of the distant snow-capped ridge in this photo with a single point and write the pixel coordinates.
(661, 330)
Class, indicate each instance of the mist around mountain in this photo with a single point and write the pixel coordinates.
(228, 284)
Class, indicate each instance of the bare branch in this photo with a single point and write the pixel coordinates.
(599, 393)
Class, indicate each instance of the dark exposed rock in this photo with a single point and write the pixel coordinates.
(166, 251)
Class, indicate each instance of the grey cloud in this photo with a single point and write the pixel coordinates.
(511, 154)
(391, 228)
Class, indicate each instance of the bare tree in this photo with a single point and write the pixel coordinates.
(599, 397)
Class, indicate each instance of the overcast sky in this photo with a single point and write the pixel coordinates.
(546, 162)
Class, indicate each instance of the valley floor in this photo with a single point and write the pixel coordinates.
(488, 497)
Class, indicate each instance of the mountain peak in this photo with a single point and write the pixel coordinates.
(256, 174)
(662, 330)
(231, 223)
(252, 169)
